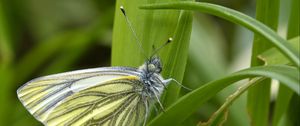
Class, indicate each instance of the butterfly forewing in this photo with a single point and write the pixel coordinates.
(101, 96)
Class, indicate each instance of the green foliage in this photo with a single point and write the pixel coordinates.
(25, 55)
(220, 116)
(259, 96)
(259, 112)
(238, 18)
(175, 114)
(153, 28)
(36, 40)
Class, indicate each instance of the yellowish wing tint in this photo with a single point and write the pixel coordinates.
(105, 97)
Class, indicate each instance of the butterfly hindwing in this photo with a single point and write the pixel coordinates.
(101, 96)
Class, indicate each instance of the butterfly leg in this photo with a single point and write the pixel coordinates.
(147, 111)
(167, 81)
(157, 98)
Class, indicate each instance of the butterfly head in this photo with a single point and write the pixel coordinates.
(151, 66)
(154, 65)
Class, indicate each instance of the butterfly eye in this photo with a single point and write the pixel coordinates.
(151, 67)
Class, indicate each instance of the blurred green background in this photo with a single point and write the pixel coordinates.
(41, 37)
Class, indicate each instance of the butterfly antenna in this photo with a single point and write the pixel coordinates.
(133, 31)
(162, 46)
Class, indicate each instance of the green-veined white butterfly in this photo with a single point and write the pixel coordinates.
(100, 96)
(108, 96)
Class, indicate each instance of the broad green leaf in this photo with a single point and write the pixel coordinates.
(148, 28)
(189, 103)
(177, 56)
(236, 17)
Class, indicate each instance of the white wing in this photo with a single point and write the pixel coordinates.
(83, 96)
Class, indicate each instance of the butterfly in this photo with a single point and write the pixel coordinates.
(106, 96)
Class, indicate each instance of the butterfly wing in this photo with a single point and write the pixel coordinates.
(100, 96)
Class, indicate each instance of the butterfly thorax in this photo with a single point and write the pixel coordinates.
(151, 78)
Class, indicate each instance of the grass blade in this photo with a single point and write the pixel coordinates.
(152, 28)
(293, 26)
(272, 56)
(189, 103)
(258, 97)
(213, 120)
(285, 94)
(177, 56)
(294, 114)
(147, 25)
(236, 17)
